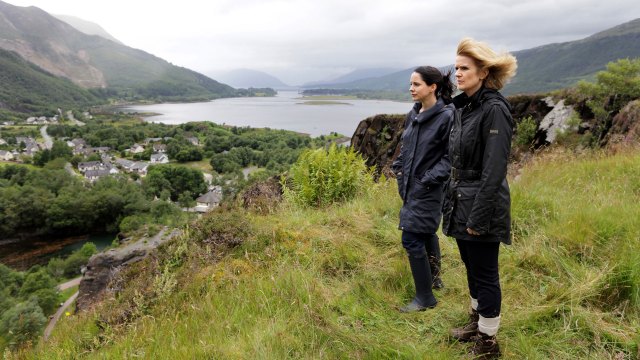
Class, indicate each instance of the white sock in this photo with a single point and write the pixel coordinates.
(474, 304)
(489, 326)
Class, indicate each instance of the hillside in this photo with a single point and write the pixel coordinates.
(324, 283)
(28, 89)
(92, 61)
(246, 78)
(352, 76)
(557, 66)
(543, 68)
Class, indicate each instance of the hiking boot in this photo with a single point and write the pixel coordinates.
(485, 347)
(469, 331)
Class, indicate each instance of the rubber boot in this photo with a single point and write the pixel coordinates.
(434, 265)
(432, 245)
(424, 298)
(485, 347)
(468, 331)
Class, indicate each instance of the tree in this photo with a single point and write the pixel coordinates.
(60, 149)
(35, 281)
(22, 323)
(613, 89)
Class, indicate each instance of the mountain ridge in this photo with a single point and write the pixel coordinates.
(92, 61)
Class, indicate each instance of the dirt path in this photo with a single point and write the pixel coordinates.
(70, 283)
(58, 314)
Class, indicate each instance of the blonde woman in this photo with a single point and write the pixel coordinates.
(476, 209)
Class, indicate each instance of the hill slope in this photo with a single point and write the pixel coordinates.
(246, 78)
(28, 89)
(324, 284)
(94, 62)
(561, 65)
(543, 68)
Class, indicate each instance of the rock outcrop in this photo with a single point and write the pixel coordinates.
(625, 127)
(103, 267)
(556, 121)
(377, 139)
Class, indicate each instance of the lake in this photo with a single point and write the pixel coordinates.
(288, 111)
(22, 255)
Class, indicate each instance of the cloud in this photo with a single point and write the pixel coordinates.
(306, 40)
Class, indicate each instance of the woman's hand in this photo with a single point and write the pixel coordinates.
(472, 232)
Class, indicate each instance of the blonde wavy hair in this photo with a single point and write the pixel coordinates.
(500, 67)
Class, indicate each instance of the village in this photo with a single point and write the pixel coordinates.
(102, 161)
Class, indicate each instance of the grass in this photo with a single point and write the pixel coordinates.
(203, 165)
(66, 293)
(324, 284)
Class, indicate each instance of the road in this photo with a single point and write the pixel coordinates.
(48, 141)
(70, 283)
(58, 314)
(63, 308)
(73, 119)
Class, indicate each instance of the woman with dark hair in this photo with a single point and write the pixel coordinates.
(477, 201)
(421, 169)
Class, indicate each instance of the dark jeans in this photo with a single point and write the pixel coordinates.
(417, 244)
(481, 261)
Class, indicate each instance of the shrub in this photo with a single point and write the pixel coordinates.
(526, 132)
(321, 177)
(22, 323)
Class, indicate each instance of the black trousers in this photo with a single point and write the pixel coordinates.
(418, 245)
(481, 261)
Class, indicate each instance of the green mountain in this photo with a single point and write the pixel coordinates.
(28, 89)
(557, 66)
(92, 61)
(543, 68)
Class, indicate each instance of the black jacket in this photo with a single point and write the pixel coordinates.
(422, 167)
(477, 194)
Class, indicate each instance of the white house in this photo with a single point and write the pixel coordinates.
(94, 175)
(159, 159)
(140, 168)
(159, 148)
(208, 201)
(3, 142)
(193, 140)
(136, 149)
(6, 155)
(90, 166)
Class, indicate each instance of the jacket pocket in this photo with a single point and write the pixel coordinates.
(464, 198)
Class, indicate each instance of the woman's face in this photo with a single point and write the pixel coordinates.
(468, 76)
(419, 89)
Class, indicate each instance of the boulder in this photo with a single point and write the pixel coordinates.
(377, 139)
(103, 267)
(625, 126)
(557, 120)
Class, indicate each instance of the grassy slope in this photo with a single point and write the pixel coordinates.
(323, 284)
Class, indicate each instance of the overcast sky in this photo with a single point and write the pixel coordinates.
(307, 40)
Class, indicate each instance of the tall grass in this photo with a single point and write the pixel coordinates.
(324, 283)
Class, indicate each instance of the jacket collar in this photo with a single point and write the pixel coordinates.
(425, 115)
(482, 95)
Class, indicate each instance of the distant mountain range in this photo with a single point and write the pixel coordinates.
(94, 62)
(350, 77)
(247, 78)
(540, 69)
